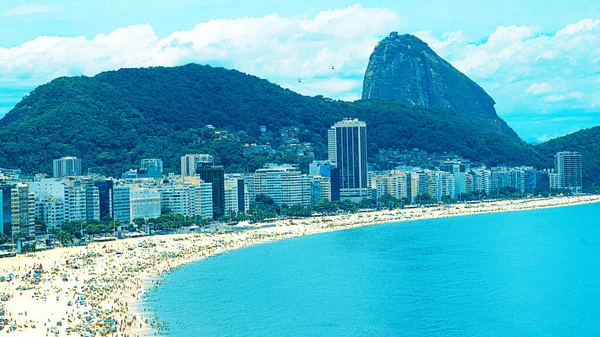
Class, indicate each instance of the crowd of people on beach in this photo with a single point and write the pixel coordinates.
(98, 290)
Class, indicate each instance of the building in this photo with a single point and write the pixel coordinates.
(542, 182)
(554, 180)
(80, 197)
(51, 212)
(568, 166)
(121, 204)
(145, 203)
(105, 197)
(283, 183)
(321, 189)
(236, 197)
(66, 167)
(482, 180)
(394, 184)
(187, 198)
(190, 162)
(347, 150)
(526, 179)
(6, 210)
(151, 168)
(22, 205)
(419, 184)
(214, 175)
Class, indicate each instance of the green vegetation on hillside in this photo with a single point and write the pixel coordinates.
(113, 120)
(587, 142)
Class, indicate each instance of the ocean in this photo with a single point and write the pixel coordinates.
(528, 273)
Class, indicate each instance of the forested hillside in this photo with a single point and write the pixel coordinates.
(587, 142)
(116, 118)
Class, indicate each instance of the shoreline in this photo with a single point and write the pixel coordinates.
(103, 287)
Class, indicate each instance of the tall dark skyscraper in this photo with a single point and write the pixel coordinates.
(105, 192)
(5, 210)
(347, 149)
(216, 176)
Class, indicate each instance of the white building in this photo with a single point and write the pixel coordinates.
(79, 197)
(482, 180)
(190, 162)
(187, 199)
(145, 203)
(51, 211)
(441, 184)
(66, 167)
(283, 183)
(237, 198)
(396, 184)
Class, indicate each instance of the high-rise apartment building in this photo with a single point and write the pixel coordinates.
(105, 195)
(236, 197)
(191, 162)
(214, 175)
(66, 167)
(347, 149)
(5, 209)
(283, 183)
(145, 203)
(23, 210)
(187, 198)
(122, 204)
(151, 168)
(568, 166)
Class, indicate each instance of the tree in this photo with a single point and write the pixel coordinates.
(139, 222)
(389, 201)
(65, 238)
(425, 199)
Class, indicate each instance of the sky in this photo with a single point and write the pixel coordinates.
(539, 60)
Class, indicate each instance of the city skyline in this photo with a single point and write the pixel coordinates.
(204, 191)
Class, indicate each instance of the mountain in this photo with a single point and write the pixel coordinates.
(587, 142)
(404, 69)
(114, 119)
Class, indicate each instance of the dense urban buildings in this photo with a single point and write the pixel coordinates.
(347, 150)
(204, 191)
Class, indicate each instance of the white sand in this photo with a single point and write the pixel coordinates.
(110, 277)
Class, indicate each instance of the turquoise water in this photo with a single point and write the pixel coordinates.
(534, 273)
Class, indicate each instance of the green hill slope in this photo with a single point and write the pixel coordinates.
(116, 118)
(587, 142)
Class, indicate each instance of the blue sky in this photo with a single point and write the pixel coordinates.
(540, 60)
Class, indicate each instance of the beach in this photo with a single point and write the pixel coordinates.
(98, 289)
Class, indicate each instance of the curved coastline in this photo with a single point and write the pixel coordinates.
(112, 277)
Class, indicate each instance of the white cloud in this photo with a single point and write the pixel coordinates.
(28, 10)
(564, 97)
(281, 49)
(528, 71)
(539, 88)
(518, 60)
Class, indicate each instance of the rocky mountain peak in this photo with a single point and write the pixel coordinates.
(403, 68)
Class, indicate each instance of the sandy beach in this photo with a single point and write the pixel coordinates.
(98, 289)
